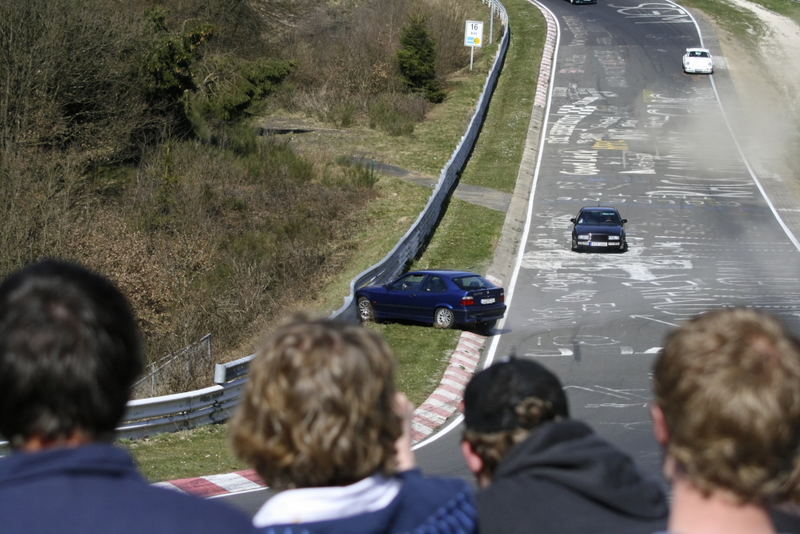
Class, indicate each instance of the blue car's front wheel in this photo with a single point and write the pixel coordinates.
(365, 311)
(443, 318)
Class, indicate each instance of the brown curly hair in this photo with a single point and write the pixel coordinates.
(492, 447)
(318, 407)
(728, 384)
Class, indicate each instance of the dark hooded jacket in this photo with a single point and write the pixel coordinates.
(564, 479)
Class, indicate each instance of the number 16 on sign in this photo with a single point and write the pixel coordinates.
(473, 37)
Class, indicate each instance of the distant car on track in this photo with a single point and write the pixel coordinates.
(599, 228)
(582, 1)
(439, 297)
(698, 60)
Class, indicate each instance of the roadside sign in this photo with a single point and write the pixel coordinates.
(473, 33)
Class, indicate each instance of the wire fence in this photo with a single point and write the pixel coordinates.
(188, 368)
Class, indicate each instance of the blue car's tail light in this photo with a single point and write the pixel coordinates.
(467, 300)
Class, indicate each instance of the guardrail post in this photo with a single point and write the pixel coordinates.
(220, 373)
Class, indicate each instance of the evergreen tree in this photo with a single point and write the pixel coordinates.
(417, 60)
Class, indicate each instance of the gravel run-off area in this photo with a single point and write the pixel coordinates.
(767, 118)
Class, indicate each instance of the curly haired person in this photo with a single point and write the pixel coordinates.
(321, 422)
(727, 413)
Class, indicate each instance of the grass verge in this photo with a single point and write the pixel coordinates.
(465, 239)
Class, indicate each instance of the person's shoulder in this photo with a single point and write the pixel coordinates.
(188, 513)
(414, 480)
(436, 504)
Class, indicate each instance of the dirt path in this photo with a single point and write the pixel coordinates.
(778, 51)
(770, 83)
(765, 110)
(481, 196)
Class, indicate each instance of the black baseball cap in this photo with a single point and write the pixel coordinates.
(492, 396)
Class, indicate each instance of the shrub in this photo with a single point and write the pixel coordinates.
(168, 63)
(396, 113)
(68, 82)
(356, 174)
(416, 60)
(232, 90)
(342, 113)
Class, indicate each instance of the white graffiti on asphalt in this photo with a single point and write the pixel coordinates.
(582, 162)
(654, 13)
(570, 116)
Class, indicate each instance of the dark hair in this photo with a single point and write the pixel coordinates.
(500, 397)
(69, 353)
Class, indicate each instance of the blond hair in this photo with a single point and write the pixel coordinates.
(728, 384)
(318, 407)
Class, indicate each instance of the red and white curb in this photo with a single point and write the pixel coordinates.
(445, 400)
(214, 485)
(430, 415)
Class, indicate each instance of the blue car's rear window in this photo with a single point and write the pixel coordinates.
(468, 283)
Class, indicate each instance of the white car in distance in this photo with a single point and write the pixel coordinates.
(698, 61)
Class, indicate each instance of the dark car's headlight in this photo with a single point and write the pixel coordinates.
(613, 238)
(583, 237)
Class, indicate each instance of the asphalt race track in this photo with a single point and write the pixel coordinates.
(626, 127)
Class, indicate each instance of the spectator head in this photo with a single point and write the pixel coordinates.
(727, 405)
(318, 409)
(69, 353)
(502, 406)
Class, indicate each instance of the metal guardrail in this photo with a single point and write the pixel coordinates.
(215, 404)
(181, 411)
(412, 243)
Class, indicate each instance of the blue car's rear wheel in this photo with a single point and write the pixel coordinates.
(365, 311)
(443, 318)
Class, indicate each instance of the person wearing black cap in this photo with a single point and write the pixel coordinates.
(540, 471)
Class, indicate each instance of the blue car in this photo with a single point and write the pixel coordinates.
(442, 298)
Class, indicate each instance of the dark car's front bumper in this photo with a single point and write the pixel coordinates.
(600, 242)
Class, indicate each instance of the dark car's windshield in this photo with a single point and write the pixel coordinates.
(472, 282)
(599, 217)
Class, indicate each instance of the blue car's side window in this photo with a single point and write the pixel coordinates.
(408, 283)
(435, 285)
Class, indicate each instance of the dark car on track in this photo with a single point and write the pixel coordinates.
(599, 228)
(442, 298)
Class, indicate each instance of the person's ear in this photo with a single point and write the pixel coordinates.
(474, 462)
(660, 428)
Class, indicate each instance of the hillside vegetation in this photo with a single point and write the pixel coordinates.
(127, 143)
